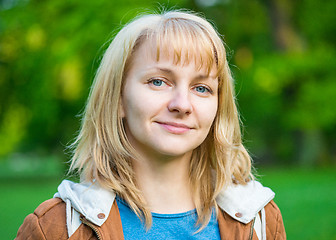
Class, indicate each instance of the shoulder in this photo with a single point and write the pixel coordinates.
(272, 209)
(47, 222)
(54, 206)
(274, 222)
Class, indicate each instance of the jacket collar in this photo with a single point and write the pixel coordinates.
(241, 202)
(89, 199)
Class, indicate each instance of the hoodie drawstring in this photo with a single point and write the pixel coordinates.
(68, 217)
(260, 225)
(263, 224)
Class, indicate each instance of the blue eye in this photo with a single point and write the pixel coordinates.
(157, 82)
(202, 89)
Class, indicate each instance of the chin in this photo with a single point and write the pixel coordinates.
(175, 152)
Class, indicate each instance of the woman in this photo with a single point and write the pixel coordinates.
(160, 152)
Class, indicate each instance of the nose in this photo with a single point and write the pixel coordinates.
(180, 102)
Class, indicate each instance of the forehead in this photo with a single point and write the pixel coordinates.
(180, 41)
(151, 55)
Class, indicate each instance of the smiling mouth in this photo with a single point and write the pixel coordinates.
(175, 128)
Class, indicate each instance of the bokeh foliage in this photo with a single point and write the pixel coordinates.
(282, 54)
(48, 56)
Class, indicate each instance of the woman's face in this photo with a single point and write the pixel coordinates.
(168, 108)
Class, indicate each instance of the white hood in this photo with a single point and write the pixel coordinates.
(241, 202)
(88, 199)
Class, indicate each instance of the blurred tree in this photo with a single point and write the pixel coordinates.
(284, 65)
(48, 57)
(282, 54)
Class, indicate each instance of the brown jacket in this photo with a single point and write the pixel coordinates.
(49, 222)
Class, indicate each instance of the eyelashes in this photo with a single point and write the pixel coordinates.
(159, 84)
(203, 89)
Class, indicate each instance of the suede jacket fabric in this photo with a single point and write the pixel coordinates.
(51, 219)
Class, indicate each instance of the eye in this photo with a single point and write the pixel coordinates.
(203, 89)
(157, 82)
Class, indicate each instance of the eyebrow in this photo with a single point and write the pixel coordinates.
(169, 71)
(165, 70)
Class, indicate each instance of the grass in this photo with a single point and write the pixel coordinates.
(306, 197)
(307, 200)
(19, 197)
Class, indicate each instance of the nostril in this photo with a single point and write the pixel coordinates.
(180, 108)
(180, 103)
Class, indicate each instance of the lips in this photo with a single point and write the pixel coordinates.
(175, 128)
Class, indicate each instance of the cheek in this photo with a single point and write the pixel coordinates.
(131, 108)
(208, 114)
(137, 105)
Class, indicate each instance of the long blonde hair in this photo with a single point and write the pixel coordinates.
(102, 152)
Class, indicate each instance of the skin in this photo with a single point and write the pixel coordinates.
(168, 111)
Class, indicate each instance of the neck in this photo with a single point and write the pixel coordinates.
(164, 183)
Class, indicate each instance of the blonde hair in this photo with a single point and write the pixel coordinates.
(102, 152)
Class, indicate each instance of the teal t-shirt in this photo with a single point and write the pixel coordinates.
(165, 226)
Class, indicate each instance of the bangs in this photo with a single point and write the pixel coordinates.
(184, 41)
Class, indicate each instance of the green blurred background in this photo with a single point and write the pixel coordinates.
(283, 57)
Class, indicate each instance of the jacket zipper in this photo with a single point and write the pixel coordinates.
(93, 227)
(251, 230)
